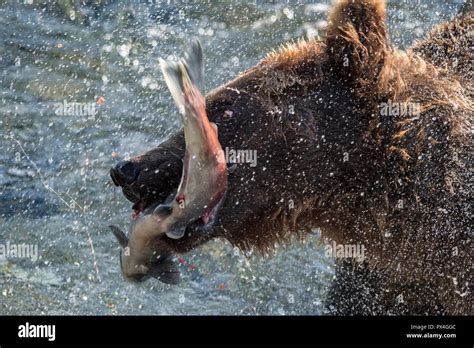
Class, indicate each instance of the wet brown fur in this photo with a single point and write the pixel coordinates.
(336, 87)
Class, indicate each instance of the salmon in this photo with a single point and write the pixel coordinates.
(203, 182)
(204, 179)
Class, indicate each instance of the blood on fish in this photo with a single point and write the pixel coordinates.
(180, 198)
(135, 213)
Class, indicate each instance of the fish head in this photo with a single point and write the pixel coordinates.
(193, 185)
(143, 255)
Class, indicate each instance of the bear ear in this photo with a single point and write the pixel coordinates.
(356, 41)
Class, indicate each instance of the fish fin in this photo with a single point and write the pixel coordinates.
(163, 210)
(180, 77)
(120, 235)
(165, 271)
(194, 63)
(176, 232)
(214, 126)
(173, 74)
(210, 217)
(171, 278)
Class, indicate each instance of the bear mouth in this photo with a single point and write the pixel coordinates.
(144, 203)
(139, 206)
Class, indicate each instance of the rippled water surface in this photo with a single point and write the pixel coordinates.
(54, 184)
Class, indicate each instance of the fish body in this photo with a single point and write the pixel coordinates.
(203, 182)
(204, 179)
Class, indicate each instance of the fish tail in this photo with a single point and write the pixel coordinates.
(185, 78)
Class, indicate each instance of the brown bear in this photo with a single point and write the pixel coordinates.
(368, 144)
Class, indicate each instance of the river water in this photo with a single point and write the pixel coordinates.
(56, 194)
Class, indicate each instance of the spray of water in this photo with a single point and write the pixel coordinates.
(60, 196)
